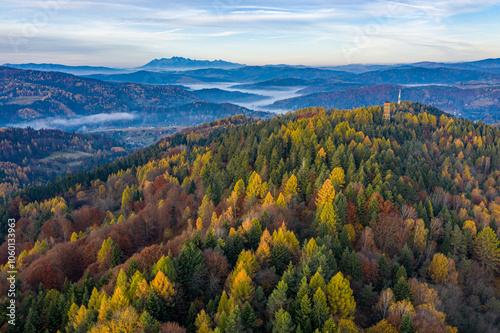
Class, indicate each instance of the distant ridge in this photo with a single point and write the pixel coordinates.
(180, 62)
(78, 70)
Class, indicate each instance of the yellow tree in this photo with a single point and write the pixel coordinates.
(280, 202)
(255, 185)
(105, 247)
(442, 269)
(142, 289)
(246, 261)
(163, 287)
(134, 283)
(382, 327)
(95, 300)
(488, 250)
(239, 189)
(422, 294)
(80, 317)
(470, 227)
(105, 308)
(317, 281)
(310, 249)
(340, 297)
(347, 326)
(126, 197)
(73, 310)
(203, 322)
(122, 320)
(290, 187)
(263, 252)
(122, 280)
(419, 235)
(242, 288)
(328, 217)
(119, 299)
(337, 176)
(268, 200)
(326, 194)
(205, 210)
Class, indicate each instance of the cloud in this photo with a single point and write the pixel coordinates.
(132, 32)
(74, 122)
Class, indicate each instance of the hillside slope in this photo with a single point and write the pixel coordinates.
(318, 219)
(27, 94)
(51, 99)
(33, 157)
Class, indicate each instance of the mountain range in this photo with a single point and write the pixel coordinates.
(180, 62)
(27, 95)
(76, 70)
(470, 89)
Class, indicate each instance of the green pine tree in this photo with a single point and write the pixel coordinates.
(117, 257)
(283, 322)
(402, 290)
(406, 324)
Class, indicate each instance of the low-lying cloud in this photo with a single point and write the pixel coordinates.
(75, 122)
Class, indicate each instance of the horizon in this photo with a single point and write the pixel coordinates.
(127, 32)
(137, 66)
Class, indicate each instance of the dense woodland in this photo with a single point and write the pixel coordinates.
(313, 221)
(30, 157)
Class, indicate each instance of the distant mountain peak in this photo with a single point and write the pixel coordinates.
(181, 62)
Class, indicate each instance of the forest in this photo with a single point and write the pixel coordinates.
(31, 157)
(313, 221)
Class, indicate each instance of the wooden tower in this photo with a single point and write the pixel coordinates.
(387, 110)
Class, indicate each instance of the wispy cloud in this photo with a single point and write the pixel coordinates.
(250, 31)
(75, 122)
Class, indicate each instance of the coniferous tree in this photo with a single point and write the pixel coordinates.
(407, 324)
(117, 257)
(303, 307)
(406, 260)
(248, 319)
(280, 257)
(277, 299)
(190, 271)
(402, 290)
(234, 324)
(283, 322)
(340, 297)
(320, 310)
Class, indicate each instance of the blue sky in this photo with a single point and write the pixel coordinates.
(131, 33)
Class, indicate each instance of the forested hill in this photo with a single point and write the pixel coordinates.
(28, 95)
(313, 221)
(30, 157)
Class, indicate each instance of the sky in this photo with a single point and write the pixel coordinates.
(130, 33)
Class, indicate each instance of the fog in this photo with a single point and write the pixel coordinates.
(76, 122)
(125, 119)
(261, 105)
